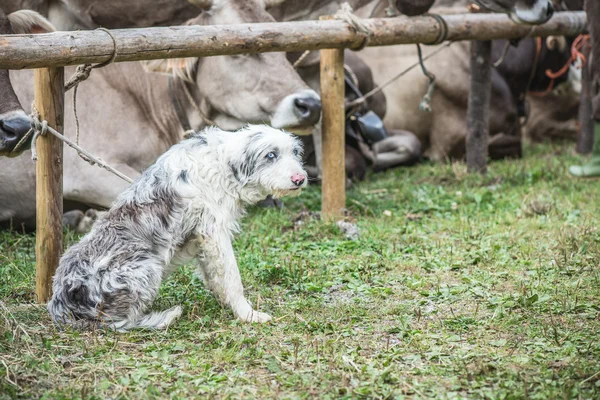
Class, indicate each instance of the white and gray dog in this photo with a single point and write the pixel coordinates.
(184, 208)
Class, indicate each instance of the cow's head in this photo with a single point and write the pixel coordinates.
(14, 123)
(521, 11)
(241, 89)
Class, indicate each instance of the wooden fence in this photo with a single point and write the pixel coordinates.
(51, 52)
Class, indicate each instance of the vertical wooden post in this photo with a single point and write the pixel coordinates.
(585, 137)
(479, 106)
(333, 128)
(49, 102)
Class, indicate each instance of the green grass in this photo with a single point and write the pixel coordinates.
(459, 287)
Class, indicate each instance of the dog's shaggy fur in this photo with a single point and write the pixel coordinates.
(185, 207)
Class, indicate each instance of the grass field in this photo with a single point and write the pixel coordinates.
(459, 287)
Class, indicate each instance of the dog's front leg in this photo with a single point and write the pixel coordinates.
(219, 269)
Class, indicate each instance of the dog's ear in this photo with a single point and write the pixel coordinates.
(242, 169)
(244, 166)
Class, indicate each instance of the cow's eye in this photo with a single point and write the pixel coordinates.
(271, 156)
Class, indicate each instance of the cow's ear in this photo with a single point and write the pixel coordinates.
(28, 21)
(183, 68)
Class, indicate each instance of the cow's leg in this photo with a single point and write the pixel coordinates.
(448, 131)
(400, 148)
(220, 273)
(504, 146)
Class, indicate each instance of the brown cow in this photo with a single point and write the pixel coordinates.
(128, 116)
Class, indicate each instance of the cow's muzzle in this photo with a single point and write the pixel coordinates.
(298, 112)
(12, 130)
(308, 110)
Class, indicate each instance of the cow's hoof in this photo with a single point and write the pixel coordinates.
(72, 219)
(88, 220)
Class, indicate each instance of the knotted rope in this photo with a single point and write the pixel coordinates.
(442, 28)
(82, 73)
(345, 14)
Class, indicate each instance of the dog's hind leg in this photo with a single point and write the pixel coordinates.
(222, 276)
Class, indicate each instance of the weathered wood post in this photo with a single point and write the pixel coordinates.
(49, 102)
(334, 119)
(585, 137)
(479, 106)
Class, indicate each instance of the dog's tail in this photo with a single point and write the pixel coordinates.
(153, 320)
(89, 318)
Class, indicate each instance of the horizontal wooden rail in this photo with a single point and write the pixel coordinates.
(71, 48)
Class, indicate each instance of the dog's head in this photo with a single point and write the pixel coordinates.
(267, 161)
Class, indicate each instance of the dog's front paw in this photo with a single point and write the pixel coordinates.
(256, 316)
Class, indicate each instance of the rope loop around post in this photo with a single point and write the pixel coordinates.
(83, 71)
(442, 28)
(345, 13)
(39, 128)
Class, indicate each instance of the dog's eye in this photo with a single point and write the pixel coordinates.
(296, 152)
(271, 156)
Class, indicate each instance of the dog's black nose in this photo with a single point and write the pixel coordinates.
(308, 110)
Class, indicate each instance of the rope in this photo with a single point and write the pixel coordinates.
(301, 59)
(379, 88)
(345, 14)
(576, 54)
(23, 140)
(503, 55)
(425, 104)
(82, 73)
(351, 74)
(536, 61)
(42, 128)
(442, 28)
